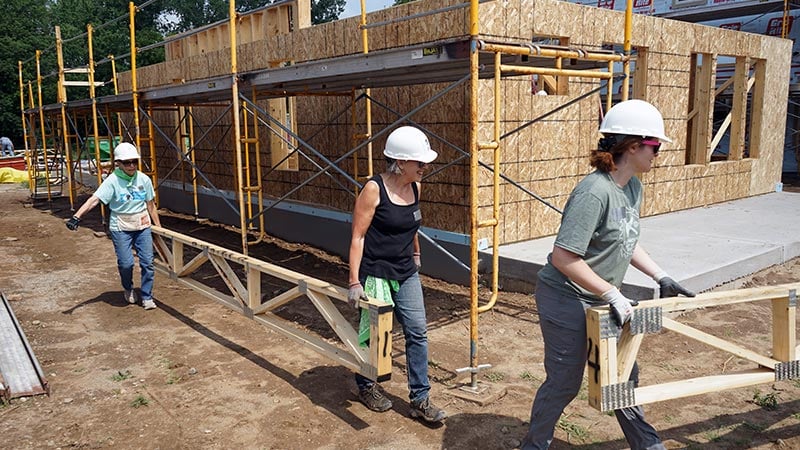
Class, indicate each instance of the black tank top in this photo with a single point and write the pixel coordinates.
(389, 242)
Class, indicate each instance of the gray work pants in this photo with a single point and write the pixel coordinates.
(563, 322)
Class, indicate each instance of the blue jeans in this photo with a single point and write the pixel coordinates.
(409, 308)
(563, 322)
(142, 242)
(7, 150)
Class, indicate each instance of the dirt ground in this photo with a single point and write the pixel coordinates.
(193, 374)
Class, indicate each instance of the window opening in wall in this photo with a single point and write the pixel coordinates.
(637, 85)
(549, 84)
(725, 108)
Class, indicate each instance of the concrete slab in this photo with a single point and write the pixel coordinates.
(701, 247)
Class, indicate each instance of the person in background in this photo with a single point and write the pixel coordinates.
(597, 240)
(6, 147)
(130, 196)
(385, 262)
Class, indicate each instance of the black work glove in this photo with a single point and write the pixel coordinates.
(72, 223)
(671, 288)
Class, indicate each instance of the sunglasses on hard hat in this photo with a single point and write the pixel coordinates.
(653, 143)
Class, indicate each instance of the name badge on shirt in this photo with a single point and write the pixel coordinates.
(417, 215)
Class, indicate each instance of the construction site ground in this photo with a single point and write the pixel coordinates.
(193, 374)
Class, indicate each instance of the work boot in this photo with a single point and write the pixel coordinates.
(373, 398)
(426, 411)
(130, 296)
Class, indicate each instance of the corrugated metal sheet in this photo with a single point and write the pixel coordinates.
(20, 373)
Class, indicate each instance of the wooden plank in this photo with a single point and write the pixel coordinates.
(253, 288)
(279, 301)
(380, 341)
(702, 385)
(177, 256)
(163, 250)
(707, 299)
(229, 277)
(267, 268)
(784, 332)
(716, 342)
(600, 371)
(757, 108)
(627, 349)
(194, 264)
(309, 341)
(338, 323)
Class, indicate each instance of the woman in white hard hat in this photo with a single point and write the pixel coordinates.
(596, 242)
(385, 261)
(130, 196)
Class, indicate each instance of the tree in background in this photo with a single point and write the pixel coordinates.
(27, 26)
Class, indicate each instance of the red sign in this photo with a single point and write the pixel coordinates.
(607, 4)
(775, 25)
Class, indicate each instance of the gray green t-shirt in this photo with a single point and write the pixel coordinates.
(600, 224)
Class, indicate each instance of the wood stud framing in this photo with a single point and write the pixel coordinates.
(553, 156)
(611, 355)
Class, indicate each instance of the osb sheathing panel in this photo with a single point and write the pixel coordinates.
(548, 157)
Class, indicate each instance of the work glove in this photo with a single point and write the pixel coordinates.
(671, 288)
(621, 306)
(418, 262)
(72, 223)
(356, 294)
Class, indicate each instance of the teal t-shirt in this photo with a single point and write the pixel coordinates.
(600, 224)
(125, 197)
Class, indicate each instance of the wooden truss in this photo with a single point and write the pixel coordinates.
(246, 298)
(611, 353)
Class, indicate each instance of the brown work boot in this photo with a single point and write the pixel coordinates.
(426, 411)
(373, 398)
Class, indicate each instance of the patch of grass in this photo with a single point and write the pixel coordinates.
(714, 435)
(121, 375)
(796, 416)
(495, 377)
(527, 376)
(796, 382)
(767, 401)
(140, 400)
(434, 364)
(669, 418)
(583, 394)
(573, 430)
(754, 427)
(173, 378)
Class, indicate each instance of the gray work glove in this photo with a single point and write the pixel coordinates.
(621, 306)
(671, 288)
(418, 262)
(355, 294)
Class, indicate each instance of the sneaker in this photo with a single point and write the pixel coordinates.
(149, 304)
(130, 296)
(373, 398)
(426, 411)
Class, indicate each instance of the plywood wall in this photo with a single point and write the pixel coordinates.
(549, 157)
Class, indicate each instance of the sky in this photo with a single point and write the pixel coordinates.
(353, 7)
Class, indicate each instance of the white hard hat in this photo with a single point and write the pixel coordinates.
(125, 151)
(409, 144)
(634, 118)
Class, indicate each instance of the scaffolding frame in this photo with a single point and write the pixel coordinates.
(457, 61)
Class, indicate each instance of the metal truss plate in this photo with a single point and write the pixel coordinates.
(789, 370)
(792, 298)
(617, 396)
(646, 320)
(608, 327)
